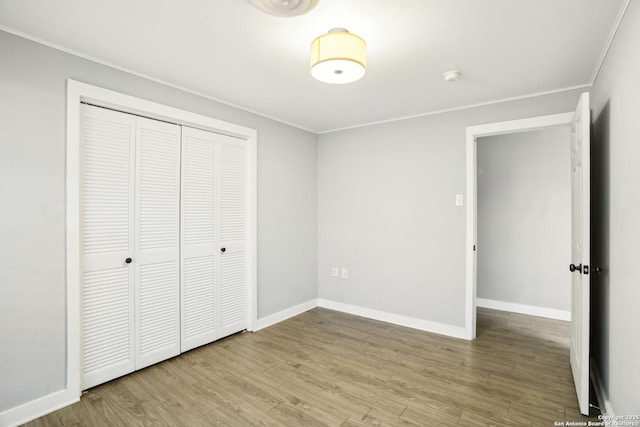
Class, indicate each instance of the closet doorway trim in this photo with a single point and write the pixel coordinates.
(77, 93)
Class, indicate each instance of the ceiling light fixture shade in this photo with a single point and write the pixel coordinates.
(338, 57)
(284, 8)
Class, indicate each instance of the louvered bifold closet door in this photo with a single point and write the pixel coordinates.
(157, 256)
(199, 236)
(233, 234)
(107, 292)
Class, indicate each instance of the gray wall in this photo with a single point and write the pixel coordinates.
(524, 218)
(385, 209)
(616, 217)
(386, 199)
(32, 217)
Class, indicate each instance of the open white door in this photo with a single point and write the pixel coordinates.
(580, 251)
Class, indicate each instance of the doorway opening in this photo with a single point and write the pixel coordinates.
(580, 128)
(524, 223)
(473, 134)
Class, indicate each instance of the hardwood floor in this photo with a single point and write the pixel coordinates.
(329, 368)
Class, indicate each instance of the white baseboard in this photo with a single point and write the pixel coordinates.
(531, 310)
(396, 319)
(285, 314)
(54, 401)
(598, 387)
(36, 408)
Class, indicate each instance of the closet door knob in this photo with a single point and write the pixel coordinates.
(128, 260)
(223, 249)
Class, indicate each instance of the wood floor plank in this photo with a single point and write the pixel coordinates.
(305, 396)
(326, 368)
(431, 414)
(287, 415)
(470, 419)
(451, 395)
(328, 389)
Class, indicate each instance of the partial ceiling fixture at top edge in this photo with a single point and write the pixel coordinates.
(284, 8)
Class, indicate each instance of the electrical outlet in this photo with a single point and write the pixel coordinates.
(334, 271)
(345, 273)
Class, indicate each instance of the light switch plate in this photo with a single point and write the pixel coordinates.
(459, 200)
(345, 273)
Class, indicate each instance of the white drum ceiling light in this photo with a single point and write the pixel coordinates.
(284, 8)
(338, 57)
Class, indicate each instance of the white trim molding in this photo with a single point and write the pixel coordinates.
(143, 75)
(36, 408)
(369, 313)
(272, 319)
(78, 92)
(396, 319)
(460, 108)
(607, 46)
(52, 402)
(531, 310)
(473, 133)
(78, 54)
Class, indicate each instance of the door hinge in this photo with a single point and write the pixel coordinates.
(474, 248)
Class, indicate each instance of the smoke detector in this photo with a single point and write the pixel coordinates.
(451, 75)
(284, 8)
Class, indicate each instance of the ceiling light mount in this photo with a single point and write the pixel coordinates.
(451, 75)
(284, 8)
(338, 57)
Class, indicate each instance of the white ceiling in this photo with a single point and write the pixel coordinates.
(230, 51)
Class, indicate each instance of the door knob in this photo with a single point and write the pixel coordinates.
(128, 260)
(223, 249)
(573, 267)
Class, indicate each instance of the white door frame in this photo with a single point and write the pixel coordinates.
(473, 133)
(78, 92)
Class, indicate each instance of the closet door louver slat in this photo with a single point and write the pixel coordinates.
(199, 238)
(157, 256)
(107, 189)
(163, 241)
(233, 214)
